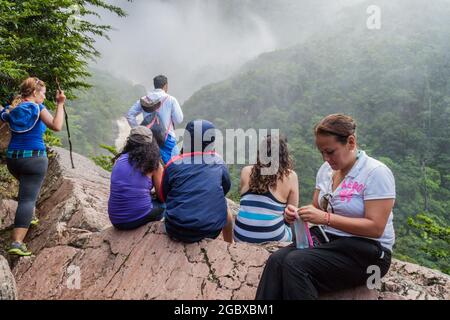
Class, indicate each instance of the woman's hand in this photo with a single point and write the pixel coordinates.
(60, 97)
(290, 214)
(313, 215)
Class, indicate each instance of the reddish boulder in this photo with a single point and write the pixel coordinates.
(79, 256)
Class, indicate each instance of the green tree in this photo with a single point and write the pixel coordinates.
(49, 39)
(435, 239)
(105, 161)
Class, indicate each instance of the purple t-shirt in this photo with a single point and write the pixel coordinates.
(129, 198)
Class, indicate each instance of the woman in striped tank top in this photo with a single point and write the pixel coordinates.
(266, 190)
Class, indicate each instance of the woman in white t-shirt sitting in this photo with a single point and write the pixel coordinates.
(353, 203)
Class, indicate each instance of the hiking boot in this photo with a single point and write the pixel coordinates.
(19, 249)
(34, 221)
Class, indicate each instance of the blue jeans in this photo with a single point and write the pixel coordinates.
(169, 150)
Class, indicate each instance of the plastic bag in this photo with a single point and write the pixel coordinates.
(302, 235)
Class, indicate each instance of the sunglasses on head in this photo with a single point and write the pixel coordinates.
(325, 201)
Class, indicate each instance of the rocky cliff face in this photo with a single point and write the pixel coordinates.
(8, 289)
(77, 255)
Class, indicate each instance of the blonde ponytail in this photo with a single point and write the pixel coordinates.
(17, 100)
(27, 88)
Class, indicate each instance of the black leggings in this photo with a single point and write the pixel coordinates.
(31, 173)
(302, 274)
(156, 214)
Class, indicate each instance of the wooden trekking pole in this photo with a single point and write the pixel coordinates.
(67, 125)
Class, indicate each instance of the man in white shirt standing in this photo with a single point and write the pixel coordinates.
(169, 112)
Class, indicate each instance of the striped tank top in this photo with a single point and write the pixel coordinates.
(260, 219)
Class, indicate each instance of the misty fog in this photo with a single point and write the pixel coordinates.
(197, 42)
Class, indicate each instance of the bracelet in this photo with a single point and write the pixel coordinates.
(328, 219)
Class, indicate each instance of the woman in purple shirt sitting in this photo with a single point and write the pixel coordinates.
(137, 169)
